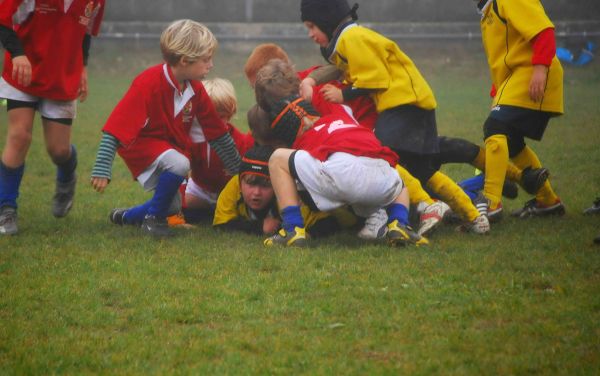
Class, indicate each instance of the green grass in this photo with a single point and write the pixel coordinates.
(80, 296)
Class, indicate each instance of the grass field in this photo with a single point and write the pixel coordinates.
(81, 296)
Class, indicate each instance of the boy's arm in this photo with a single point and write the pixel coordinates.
(544, 49)
(21, 65)
(227, 152)
(319, 76)
(101, 172)
(325, 74)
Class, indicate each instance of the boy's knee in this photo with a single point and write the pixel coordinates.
(59, 153)
(20, 140)
(176, 163)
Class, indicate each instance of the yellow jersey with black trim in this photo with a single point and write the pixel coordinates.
(231, 205)
(372, 61)
(507, 28)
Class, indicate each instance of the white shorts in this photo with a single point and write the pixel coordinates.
(48, 108)
(197, 191)
(171, 160)
(366, 184)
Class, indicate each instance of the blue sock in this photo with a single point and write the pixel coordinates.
(399, 212)
(292, 218)
(66, 170)
(135, 215)
(165, 191)
(10, 181)
(473, 185)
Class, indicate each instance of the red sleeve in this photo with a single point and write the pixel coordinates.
(98, 18)
(212, 126)
(544, 47)
(7, 9)
(128, 117)
(493, 91)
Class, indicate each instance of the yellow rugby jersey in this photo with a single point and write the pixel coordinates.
(372, 61)
(507, 36)
(230, 206)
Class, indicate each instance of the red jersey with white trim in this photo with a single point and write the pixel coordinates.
(208, 171)
(156, 115)
(51, 32)
(361, 108)
(339, 132)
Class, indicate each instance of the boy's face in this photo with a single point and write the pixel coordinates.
(196, 70)
(317, 36)
(256, 195)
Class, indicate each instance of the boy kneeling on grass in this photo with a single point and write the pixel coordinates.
(151, 126)
(338, 163)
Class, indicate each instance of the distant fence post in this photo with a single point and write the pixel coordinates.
(249, 15)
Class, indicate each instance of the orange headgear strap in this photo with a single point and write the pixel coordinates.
(299, 111)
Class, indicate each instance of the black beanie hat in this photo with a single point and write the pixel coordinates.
(326, 14)
(256, 161)
(287, 116)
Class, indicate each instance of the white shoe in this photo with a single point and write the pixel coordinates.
(431, 217)
(375, 226)
(480, 225)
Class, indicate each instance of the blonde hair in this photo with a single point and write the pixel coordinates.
(222, 94)
(260, 56)
(186, 39)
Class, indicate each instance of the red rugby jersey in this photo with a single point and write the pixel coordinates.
(155, 115)
(51, 32)
(339, 132)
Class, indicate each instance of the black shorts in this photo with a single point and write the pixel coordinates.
(520, 122)
(408, 128)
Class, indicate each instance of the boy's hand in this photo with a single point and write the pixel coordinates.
(306, 88)
(21, 70)
(332, 94)
(537, 85)
(270, 225)
(99, 184)
(83, 86)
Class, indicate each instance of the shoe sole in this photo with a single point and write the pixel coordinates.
(559, 212)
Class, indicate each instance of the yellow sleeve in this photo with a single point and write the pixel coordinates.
(228, 202)
(365, 53)
(528, 17)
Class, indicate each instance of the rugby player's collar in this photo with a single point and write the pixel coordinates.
(180, 97)
(482, 5)
(328, 51)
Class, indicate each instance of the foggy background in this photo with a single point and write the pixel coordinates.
(280, 19)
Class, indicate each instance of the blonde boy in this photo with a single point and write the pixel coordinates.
(150, 127)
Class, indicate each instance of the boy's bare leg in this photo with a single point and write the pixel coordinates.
(288, 200)
(283, 183)
(18, 140)
(64, 156)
